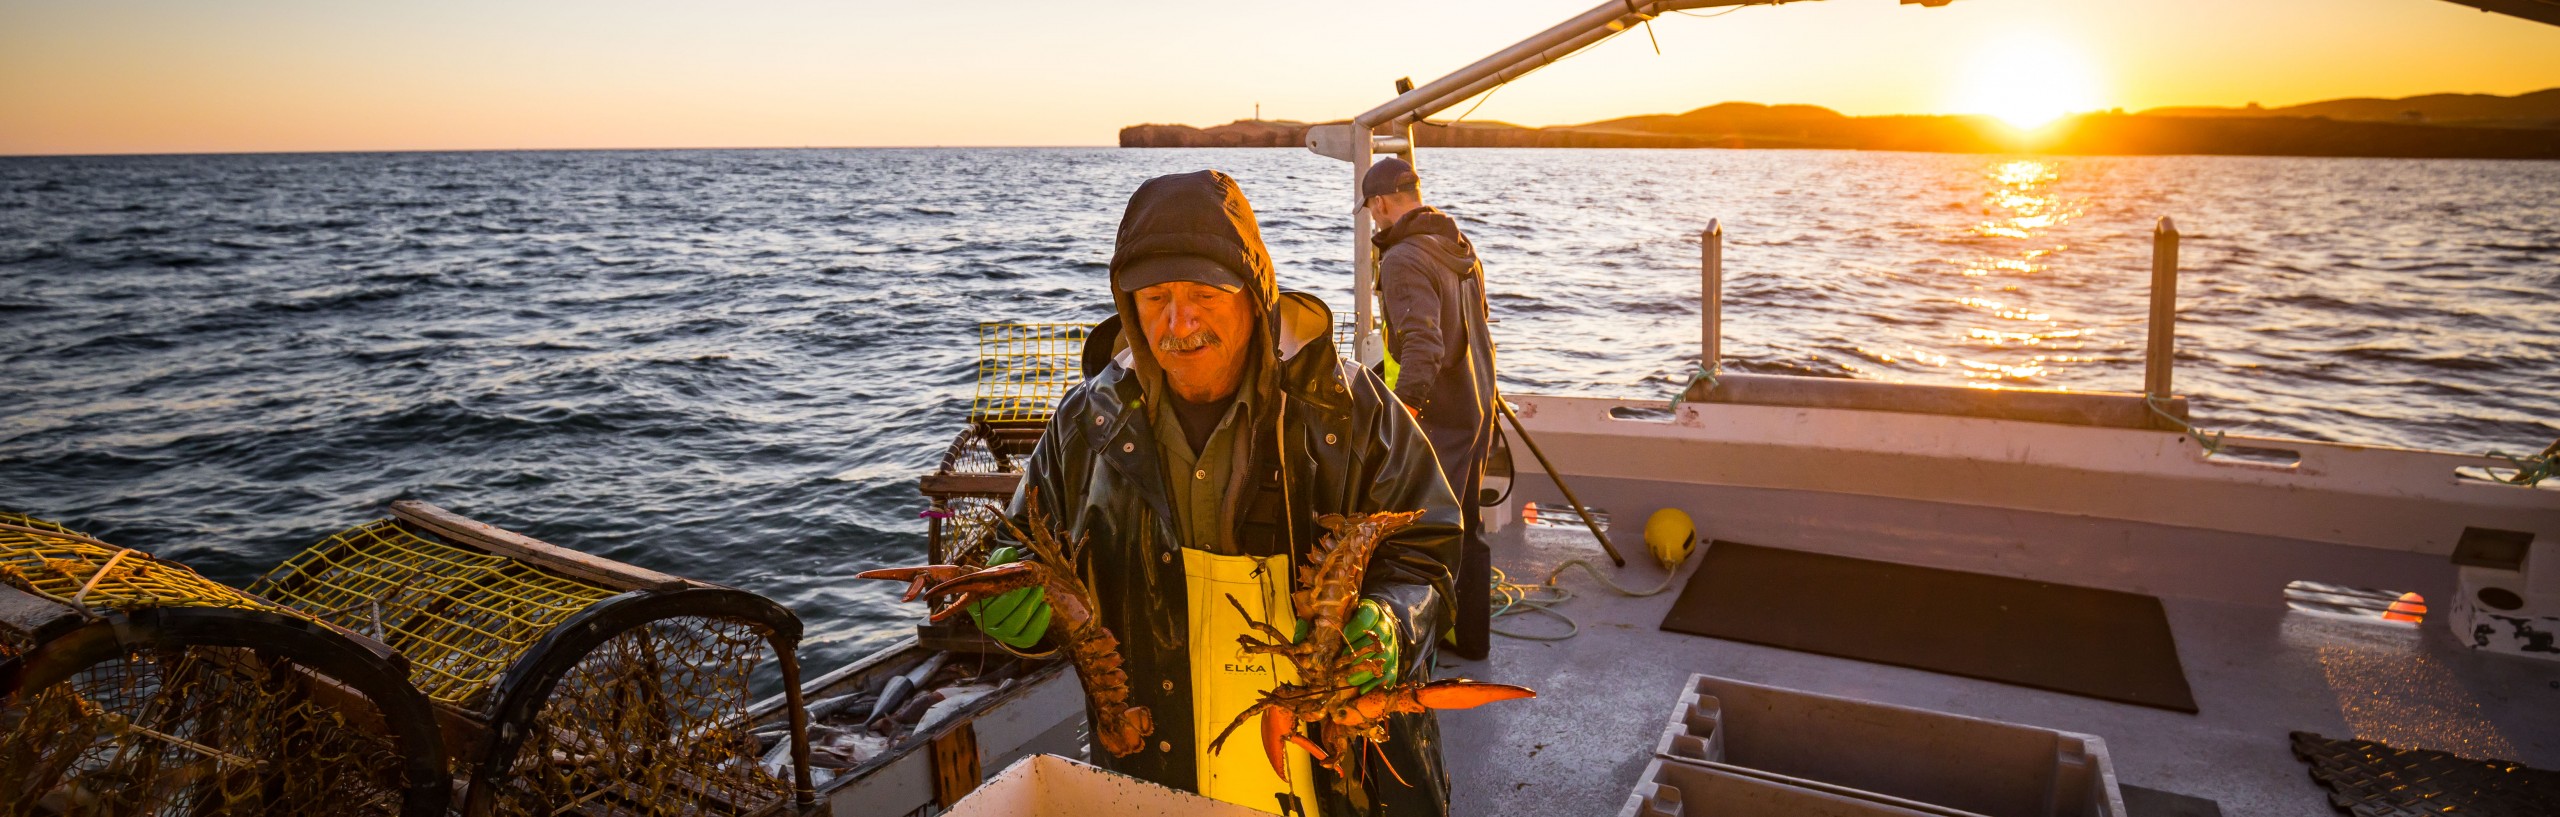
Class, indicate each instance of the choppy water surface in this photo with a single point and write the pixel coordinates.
(733, 365)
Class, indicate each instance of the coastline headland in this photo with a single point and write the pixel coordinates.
(2448, 126)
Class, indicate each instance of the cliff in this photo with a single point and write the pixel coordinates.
(2444, 126)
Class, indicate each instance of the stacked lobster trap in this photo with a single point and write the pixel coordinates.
(1023, 368)
(405, 665)
(133, 686)
(567, 683)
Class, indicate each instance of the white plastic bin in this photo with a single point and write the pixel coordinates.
(1053, 786)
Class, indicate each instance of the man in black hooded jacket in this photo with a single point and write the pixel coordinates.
(1195, 466)
(1440, 362)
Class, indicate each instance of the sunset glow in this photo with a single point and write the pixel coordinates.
(269, 75)
(2029, 81)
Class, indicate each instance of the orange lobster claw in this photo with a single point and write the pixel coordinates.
(1278, 725)
(1460, 693)
(917, 578)
(1314, 752)
(989, 582)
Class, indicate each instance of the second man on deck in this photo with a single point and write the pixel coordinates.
(1440, 362)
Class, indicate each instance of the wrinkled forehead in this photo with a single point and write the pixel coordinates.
(1193, 293)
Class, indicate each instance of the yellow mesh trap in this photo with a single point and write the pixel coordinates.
(642, 710)
(1024, 367)
(154, 720)
(461, 616)
(67, 566)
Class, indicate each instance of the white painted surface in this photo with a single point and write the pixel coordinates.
(2367, 496)
(1052, 786)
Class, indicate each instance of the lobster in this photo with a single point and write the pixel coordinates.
(1122, 729)
(1328, 590)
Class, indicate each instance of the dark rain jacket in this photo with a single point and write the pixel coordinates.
(1436, 329)
(1326, 439)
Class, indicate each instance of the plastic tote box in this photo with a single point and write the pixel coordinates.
(1933, 761)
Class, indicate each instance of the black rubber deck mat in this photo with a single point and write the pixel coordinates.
(2369, 779)
(2103, 644)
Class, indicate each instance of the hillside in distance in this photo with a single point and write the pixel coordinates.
(2526, 126)
(2540, 109)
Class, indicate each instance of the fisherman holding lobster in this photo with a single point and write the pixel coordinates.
(1192, 482)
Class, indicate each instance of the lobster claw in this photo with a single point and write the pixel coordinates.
(917, 578)
(1460, 693)
(989, 582)
(1278, 725)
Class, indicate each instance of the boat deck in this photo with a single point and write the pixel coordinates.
(2258, 673)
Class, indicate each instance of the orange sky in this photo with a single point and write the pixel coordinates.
(116, 76)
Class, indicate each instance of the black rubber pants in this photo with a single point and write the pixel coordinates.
(1461, 453)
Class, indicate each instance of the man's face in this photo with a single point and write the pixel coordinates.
(1198, 334)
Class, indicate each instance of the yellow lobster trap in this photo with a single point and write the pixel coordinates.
(1023, 368)
(130, 685)
(567, 683)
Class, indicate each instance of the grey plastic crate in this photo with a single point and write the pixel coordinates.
(1935, 759)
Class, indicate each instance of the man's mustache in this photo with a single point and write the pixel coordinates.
(1188, 342)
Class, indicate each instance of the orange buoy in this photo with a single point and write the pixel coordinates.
(1529, 513)
(2410, 608)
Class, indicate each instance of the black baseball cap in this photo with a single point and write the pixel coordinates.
(1390, 175)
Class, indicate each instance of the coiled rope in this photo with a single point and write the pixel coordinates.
(1514, 599)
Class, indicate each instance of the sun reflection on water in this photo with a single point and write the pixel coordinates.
(2021, 207)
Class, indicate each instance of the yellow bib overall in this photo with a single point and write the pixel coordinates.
(1224, 680)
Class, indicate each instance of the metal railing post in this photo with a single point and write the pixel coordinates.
(2160, 354)
(1711, 296)
(1365, 346)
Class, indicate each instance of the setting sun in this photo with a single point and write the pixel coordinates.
(2028, 81)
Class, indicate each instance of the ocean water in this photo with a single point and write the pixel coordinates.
(733, 364)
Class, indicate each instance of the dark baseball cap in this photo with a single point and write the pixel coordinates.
(1165, 269)
(1390, 175)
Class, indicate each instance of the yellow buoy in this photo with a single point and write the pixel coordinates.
(1671, 536)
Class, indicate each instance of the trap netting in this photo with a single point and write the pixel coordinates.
(969, 491)
(163, 693)
(631, 730)
(1024, 367)
(70, 568)
(461, 616)
(597, 687)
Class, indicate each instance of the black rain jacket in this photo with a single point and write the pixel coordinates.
(1327, 438)
(1436, 328)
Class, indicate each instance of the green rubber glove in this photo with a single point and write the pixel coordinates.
(1371, 633)
(1015, 617)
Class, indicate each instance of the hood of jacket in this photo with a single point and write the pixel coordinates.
(1203, 214)
(1428, 222)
